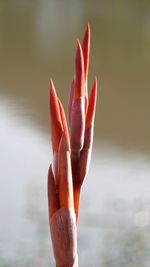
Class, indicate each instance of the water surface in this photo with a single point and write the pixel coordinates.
(37, 41)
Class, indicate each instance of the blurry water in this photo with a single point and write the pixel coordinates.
(37, 40)
(115, 204)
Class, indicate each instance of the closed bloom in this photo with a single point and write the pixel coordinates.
(71, 156)
(81, 117)
(61, 213)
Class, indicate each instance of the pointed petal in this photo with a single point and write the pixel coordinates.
(65, 175)
(55, 166)
(92, 105)
(64, 123)
(56, 124)
(79, 72)
(86, 54)
(71, 94)
(77, 125)
(85, 156)
(53, 203)
(86, 50)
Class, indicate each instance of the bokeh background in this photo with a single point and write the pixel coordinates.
(37, 41)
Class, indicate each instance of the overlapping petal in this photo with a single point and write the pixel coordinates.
(55, 116)
(81, 117)
(65, 175)
(71, 156)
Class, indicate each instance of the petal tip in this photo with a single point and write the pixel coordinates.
(51, 83)
(92, 105)
(79, 71)
(86, 49)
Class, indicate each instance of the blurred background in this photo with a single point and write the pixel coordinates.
(37, 41)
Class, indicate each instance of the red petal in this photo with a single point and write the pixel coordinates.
(64, 123)
(65, 175)
(86, 153)
(71, 94)
(77, 125)
(86, 49)
(56, 124)
(75, 163)
(92, 105)
(53, 203)
(64, 237)
(76, 191)
(79, 73)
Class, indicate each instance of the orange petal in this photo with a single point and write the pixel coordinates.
(64, 123)
(76, 192)
(75, 162)
(53, 203)
(86, 54)
(79, 72)
(55, 166)
(91, 106)
(85, 155)
(86, 50)
(65, 175)
(77, 125)
(56, 124)
(71, 94)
